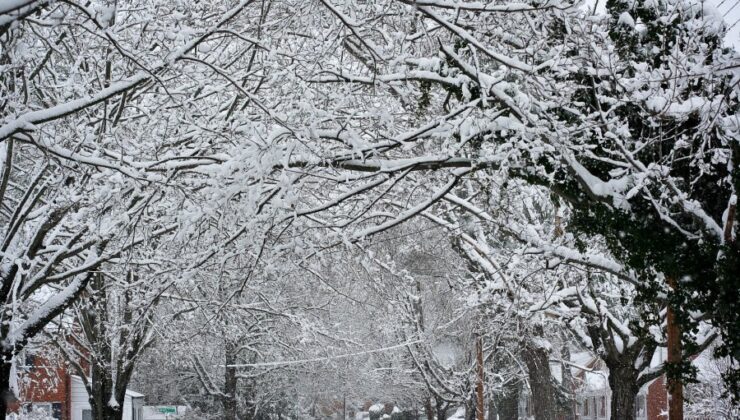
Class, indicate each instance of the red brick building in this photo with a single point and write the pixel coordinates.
(593, 395)
(43, 384)
(594, 400)
(657, 399)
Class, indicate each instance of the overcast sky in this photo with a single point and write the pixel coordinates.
(731, 11)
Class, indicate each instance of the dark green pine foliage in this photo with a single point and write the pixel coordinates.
(699, 155)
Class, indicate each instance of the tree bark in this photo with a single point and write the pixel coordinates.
(479, 403)
(491, 409)
(570, 405)
(675, 356)
(625, 364)
(623, 384)
(230, 382)
(441, 408)
(541, 382)
(94, 322)
(429, 410)
(103, 390)
(101, 397)
(471, 409)
(6, 395)
(507, 405)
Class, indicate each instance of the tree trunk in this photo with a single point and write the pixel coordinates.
(229, 400)
(491, 409)
(471, 409)
(6, 395)
(479, 386)
(569, 407)
(541, 382)
(624, 392)
(100, 398)
(507, 404)
(675, 386)
(429, 410)
(94, 320)
(441, 407)
(107, 412)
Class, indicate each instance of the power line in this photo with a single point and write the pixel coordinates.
(322, 359)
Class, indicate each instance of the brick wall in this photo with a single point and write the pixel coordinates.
(46, 381)
(657, 400)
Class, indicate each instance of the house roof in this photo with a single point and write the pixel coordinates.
(129, 393)
(588, 370)
(134, 394)
(597, 377)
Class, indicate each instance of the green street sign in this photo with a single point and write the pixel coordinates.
(167, 410)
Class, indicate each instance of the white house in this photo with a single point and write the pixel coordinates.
(80, 405)
(48, 386)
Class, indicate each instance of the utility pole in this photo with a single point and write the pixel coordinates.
(675, 385)
(480, 415)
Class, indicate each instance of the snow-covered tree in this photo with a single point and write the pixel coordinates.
(630, 120)
(257, 156)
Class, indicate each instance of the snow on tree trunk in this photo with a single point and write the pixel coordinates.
(230, 383)
(104, 403)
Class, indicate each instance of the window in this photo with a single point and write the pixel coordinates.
(602, 406)
(56, 410)
(45, 407)
(39, 407)
(53, 410)
(30, 361)
(86, 414)
(585, 407)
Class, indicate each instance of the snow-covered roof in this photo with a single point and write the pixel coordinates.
(458, 415)
(595, 381)
(597, 377)
(129, 393)
(376, 407)
(581, 358)
(585, 366)
(134, 394)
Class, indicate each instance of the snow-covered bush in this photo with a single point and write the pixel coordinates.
(35, 414)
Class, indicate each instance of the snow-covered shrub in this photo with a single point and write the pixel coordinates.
(35, 414)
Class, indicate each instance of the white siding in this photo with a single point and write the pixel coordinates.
(127, 413)
(79, 398)
(80, 401)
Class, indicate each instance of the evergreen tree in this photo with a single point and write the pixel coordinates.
(658, 128)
